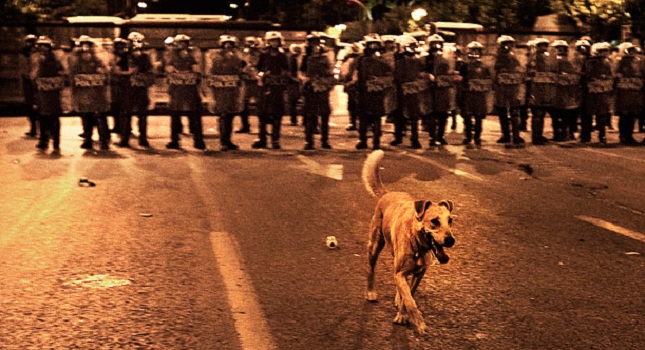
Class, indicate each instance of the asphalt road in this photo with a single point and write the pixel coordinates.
(210, 250)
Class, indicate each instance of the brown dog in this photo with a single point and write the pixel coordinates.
(413, 228)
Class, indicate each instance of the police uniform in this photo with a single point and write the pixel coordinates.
(568, 92)
(374, 79)
(319, 81)
(184, 77)
(510, 90)
(251, 56)
(48, 82)
(477, 87)
(273, 67)
(90, 91)
(540, 71)
(599, 89)
(411, 84)
(25, 63)
(137, 79)
(629, 92)
(226, 83)
(442, 90)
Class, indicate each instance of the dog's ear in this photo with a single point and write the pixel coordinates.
(448, 204)
(420, 207)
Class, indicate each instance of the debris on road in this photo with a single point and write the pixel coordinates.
(145, 215)
(84, 182)
(331, 242)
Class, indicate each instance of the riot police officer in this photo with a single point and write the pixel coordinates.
(318, 80)
(599, 86)
(477, 86)
(509, 90)
(582, 53)
(89, 90)
(273, 78)
(441, 74)
(542, 90)
(375, 80)
(137, 77)
(47, 75)
(225, 80)
(568, 93)
(251, 54)
(412, 83)
(294, 89)
(119, 81)
(25, 62)
(184, 75)
(629, 91)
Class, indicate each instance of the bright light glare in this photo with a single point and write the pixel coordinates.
(419, 13)
(233, 6)
(142, 5)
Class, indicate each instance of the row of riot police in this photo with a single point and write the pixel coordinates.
(386, 76)
(236, 78)
(572, 86)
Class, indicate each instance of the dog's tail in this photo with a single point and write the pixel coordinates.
(371, 176)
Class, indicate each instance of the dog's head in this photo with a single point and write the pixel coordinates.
(433, 225)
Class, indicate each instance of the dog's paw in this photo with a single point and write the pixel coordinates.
(401, 319)
(397, 301)
(421, 328)
(371, 296)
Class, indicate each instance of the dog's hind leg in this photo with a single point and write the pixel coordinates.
(374, 247)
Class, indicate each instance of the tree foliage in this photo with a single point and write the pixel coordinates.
(51, 9)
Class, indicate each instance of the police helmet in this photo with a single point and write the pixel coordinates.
(30, 38)
(475, 49)
(372, 38)
(181, 38)
(599, 48)
(388, 38)
(169, 41)
(559, 43)
(505, 39)
(119, 42)
(44, 41)
(85, 39)
(272, 35)
(627, 48)
(136, 36)
(227, 39)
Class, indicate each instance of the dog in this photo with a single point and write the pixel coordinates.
(414, 229)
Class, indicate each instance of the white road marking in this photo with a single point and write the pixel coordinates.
(249, 319)
(443, 167)
(332, 171)
(250, 322)
(611, 227)
(614, 155)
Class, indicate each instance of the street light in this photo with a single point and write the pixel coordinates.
(418, 14)
(142, 5)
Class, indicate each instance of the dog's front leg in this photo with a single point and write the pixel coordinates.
(407, 311)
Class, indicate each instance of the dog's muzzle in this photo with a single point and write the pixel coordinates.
(437, 249)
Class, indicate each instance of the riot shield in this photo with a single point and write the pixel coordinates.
(543, 79)
(89, 81)
(443, 89)
(183, 83)
(510, 81)
(477, 89)
(223, 81)
(629, 85)
(568, 91)
(376, 83)
(413, 85)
